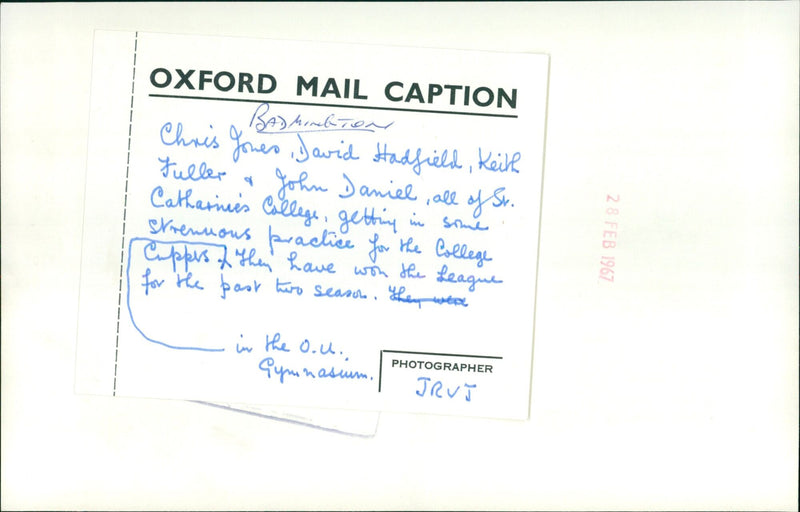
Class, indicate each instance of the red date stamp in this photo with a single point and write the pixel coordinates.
(609, 241)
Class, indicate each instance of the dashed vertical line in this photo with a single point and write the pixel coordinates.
(125, 211)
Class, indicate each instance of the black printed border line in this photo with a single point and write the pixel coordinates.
(125, 210)
(309, 104)
(380, 363)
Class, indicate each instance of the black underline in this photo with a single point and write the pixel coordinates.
(440, 354)
(307, 104)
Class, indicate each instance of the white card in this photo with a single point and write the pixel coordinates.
(310, 224)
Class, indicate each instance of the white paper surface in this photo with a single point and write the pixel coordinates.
(302, 224)
(673, 388)
(359, 423)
